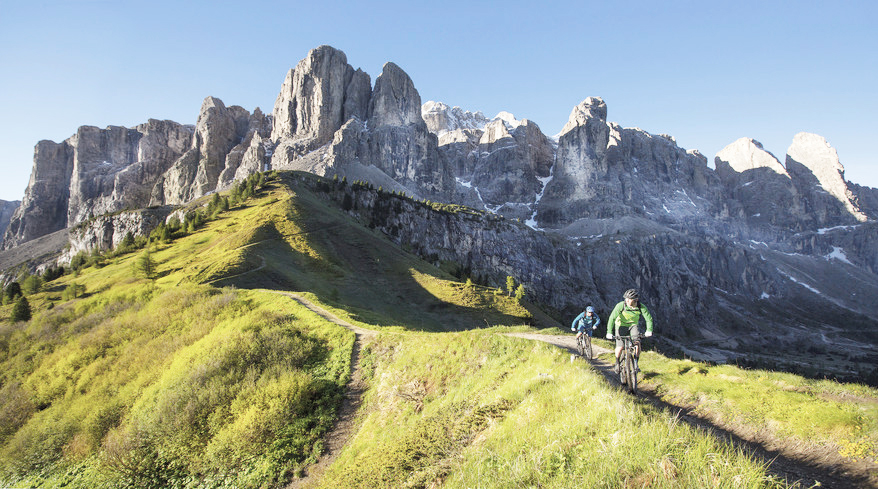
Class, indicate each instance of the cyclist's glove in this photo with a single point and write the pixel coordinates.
(609, 336)
(648, 334)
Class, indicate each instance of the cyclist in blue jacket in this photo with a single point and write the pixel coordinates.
(586, 322)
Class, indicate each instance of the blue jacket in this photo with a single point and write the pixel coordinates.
(585, 323)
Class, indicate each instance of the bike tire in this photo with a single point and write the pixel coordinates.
(623, 368)
(579, 346)
(632, 374)
(588, 352)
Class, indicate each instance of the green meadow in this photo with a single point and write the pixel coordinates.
(197, 371)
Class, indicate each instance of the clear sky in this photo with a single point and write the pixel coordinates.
(705, 72)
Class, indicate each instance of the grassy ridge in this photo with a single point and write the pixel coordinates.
(479, 409)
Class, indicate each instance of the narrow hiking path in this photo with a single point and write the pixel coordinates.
(787, 464)
(353, 397)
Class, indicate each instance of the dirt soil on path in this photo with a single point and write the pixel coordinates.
(356, 387)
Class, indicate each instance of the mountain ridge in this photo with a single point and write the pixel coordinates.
(610, 207)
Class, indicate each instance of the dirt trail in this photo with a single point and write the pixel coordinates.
(785, 463)
(356, 387)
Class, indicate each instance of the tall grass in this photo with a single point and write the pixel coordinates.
(481, 410)
(776, 407)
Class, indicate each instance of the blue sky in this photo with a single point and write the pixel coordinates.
(706, 73)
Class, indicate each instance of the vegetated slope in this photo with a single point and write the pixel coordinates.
(479, 409)
(188, 381)
(184, 380)
(297, 240)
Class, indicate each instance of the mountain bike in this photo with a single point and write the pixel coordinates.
(628, 364)
(583, 343)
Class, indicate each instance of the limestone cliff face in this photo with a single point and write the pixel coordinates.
(329, 121)
(605, 171)
(759, 182)
(7, 209)
(197, 172)
(94, 172)
(815, 167)
(43, 208)
(106, 232)
(317, 97)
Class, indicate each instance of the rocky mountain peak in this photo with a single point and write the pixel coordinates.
(441, 118)
(495, 131)
(813, 161)
(311, 104)
(747, 154)
(589, 109)
(395, 101)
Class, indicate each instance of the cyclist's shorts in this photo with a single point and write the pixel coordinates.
(634, 332)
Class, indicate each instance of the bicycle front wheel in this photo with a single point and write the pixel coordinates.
(588, 353)
(632, 373)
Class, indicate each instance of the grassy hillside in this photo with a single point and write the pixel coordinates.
(196, 378)
(204, 376)
(479, 409)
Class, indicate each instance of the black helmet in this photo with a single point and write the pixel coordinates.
(631, 294)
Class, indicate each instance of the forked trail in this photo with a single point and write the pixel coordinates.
(784, 463)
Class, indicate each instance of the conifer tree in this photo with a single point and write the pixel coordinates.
(519, 293)
(21, 310)
(145, 265)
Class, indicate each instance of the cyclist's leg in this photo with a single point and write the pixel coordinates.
(635, 338)
(619, 345)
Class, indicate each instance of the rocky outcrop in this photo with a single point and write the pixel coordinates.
(218, 131)
(107, 231)
(392, 145)
(504, 161)
(43, 208)
(94, 172)
(817, 171)
(317, 97)
(603, 171)
(756, 180)
(7, 209)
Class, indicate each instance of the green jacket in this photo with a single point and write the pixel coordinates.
(623, 315)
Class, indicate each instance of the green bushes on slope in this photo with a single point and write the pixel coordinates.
(167, 387)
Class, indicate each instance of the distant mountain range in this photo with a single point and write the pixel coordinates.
(746, 256)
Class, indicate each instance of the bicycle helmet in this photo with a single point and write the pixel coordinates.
(631, 294)
(589, 309)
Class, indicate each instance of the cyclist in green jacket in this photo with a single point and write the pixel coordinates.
(626, 315)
